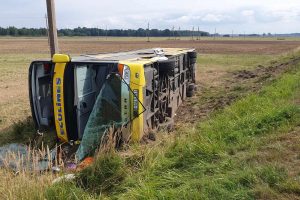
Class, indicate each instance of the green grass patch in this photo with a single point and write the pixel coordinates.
(25, 132)
(206, 161)
(235, 62)
(19, 132)
(106, 173)
(201, 163)
(66, 190)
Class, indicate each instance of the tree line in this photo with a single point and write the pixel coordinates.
(83, 31)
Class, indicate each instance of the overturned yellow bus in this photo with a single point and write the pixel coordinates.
(81, 97)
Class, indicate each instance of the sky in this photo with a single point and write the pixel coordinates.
(226, 16)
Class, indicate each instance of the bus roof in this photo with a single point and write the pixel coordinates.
(143, 55)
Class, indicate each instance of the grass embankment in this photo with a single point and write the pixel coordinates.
(239, 153)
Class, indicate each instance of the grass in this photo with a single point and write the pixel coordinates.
(66, 190)
(14, 81)
(215, 159)
(12, 63)
(234, 62)
(201, 165)
(20, 132)
(23, 186)
(231, 155)
(103, 175)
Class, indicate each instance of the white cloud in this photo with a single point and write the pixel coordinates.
(213, 18)
(226, 15)
(247, 13)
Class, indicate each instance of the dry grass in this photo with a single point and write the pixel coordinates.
(23, 186)
(14, 99)
(22, 176)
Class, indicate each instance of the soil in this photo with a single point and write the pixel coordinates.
(230, 87)
(94, 45)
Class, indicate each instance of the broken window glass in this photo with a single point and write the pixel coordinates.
(111, 109)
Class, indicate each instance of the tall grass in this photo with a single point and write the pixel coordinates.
(25, 175)
(24, 186)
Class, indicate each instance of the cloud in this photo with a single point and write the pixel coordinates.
(248, 13)
(225, 15)
(213, 18)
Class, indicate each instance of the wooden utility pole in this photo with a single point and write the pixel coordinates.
(52, 27)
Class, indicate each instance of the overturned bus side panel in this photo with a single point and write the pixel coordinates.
(169, 82)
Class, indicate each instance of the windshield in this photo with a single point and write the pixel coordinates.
(112, 108)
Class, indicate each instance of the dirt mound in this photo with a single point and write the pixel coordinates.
(244, 74)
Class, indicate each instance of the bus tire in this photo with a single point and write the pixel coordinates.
(190, 93)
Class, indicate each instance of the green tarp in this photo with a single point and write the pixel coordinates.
(107, 112)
